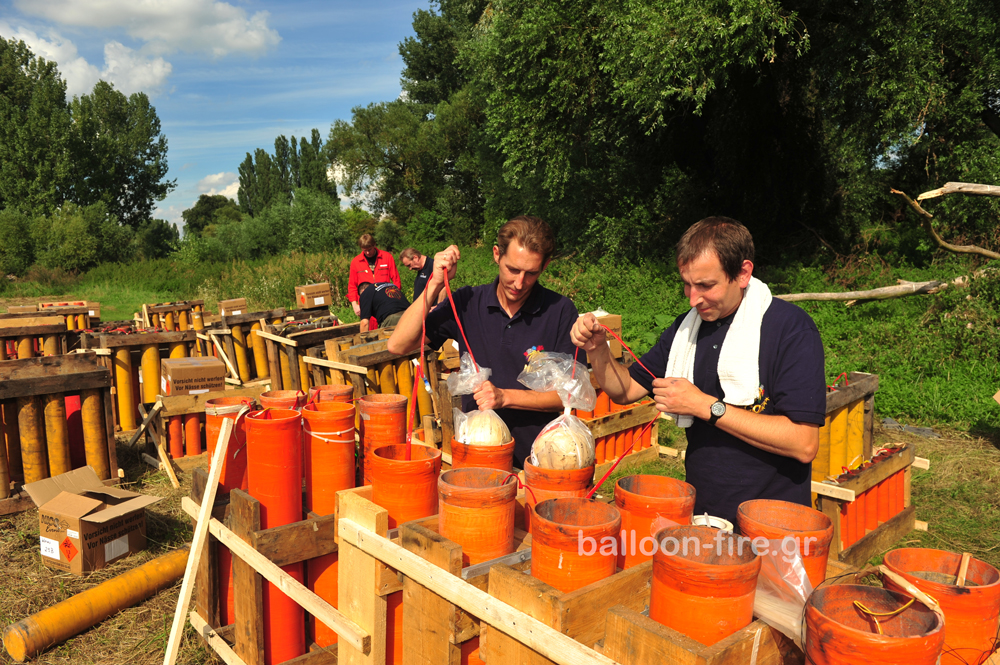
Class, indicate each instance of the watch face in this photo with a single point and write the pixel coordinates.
(718, 409)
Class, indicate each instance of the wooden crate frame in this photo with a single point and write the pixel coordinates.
(66, 340)
(219, 335)
(162, 308)
(52, 374)
(294, 346)
(168, 406)
(888, 532)
(634, 416)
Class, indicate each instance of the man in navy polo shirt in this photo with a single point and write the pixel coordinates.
(735, 453)
(504, 321)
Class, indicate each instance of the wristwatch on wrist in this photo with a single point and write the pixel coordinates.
(718, 410)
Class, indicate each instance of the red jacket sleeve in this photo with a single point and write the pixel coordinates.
(352, 282)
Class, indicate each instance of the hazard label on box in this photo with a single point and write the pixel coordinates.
(68, 549)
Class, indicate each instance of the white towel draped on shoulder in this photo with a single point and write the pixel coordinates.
(738, 369)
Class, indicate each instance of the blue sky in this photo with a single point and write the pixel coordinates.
(225, 77)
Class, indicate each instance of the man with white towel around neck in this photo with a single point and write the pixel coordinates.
(743, 373)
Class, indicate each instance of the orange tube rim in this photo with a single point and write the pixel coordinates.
(774, 520)
(559, 526)
(283, 399)
(500, 457)
(383, 423)
(407, 488)
(331, 393)
(476, 510)
(642, 499)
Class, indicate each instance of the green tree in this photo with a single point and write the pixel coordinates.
(207, 211)
(119, 152)
(157, 239)
(34, 126)
(76, 238)
(17, 252)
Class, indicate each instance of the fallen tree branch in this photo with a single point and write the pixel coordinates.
(927, 217)
(882, 293)
(969, 188)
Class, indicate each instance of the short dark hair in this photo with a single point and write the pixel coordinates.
(409, 253)
(366, 240)
(726, 237)
(362, 286)
(532, 233)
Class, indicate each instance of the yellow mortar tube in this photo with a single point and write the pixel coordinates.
(821, 465)
(4, 466)
(182, 321)
(70, 322)
(838, 441)
(168, 321)
(56, 433)
(154, 320)
(95, 433)
(304, 376)
(12, 440)
(25, 348)
(259, 352)
(81, 322)
(198, 323)
(50, 345)
(855, 432)
(178, 350)
(373, 379)
(424, 405)
(286, 375)
(386, 378)
(404, 378)
(240, 347)
(150, 366)
(31, 636)
(123, 387)
(29, 424)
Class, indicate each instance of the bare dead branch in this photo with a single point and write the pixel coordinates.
(927, 217)
(969, 188)
(882, 293)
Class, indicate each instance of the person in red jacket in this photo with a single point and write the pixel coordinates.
(371, 265)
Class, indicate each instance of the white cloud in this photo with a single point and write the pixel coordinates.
(225, 183)
(125, 68)
(217, 28)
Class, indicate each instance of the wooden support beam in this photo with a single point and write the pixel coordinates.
(277, 338)
(359, 600)
(349, 632)
(833, 491)
(145, 423)
(214, 640)
(333, 364)
(531, 632)
(429, 621)
(225, 358)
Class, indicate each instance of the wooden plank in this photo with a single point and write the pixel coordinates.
(16, 504)
(358, 599)
(333, 364)
(876, 473)
(32, 330)
(109, 430)
(616, 422)
(248, 587)
(317, 375)
(498, 615)
(277, 338)
(145, 423)
(251, 317)
(860, 386)
(225, 358)
(298, 541)
(582, 613)
(831, 508)
(51, 374)
(214, 640)
(881, 539)
(319, 656)
(198, 543)
(833, 491)
(273, 363)
(429, 621)
(230, 346)
(372, 359)
(869, 427)
(291, 352)
(111, 341)
(206, 584)
(173, 306)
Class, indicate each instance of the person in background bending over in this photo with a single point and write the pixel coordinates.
(371, 265)
(742, 371)
(504, 321)
(383, 302)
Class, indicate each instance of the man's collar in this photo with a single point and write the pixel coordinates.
(532, 305)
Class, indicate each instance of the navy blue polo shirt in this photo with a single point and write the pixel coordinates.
(420, 283)
(502, 343)
(381, 301)
(724, 470)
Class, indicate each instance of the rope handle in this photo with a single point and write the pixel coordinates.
(520, 485)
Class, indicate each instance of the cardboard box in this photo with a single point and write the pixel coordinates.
(233, 307)
(21, 309)
(614, 322)
(83, 525)
(94, 310)
(191, 376)
(313, 295)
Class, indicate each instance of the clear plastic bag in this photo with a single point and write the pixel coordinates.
(480, 428)
(565, 443)
(547, 371)
(782, 587)
(468, 378)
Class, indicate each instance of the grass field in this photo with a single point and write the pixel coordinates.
(938, 358)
